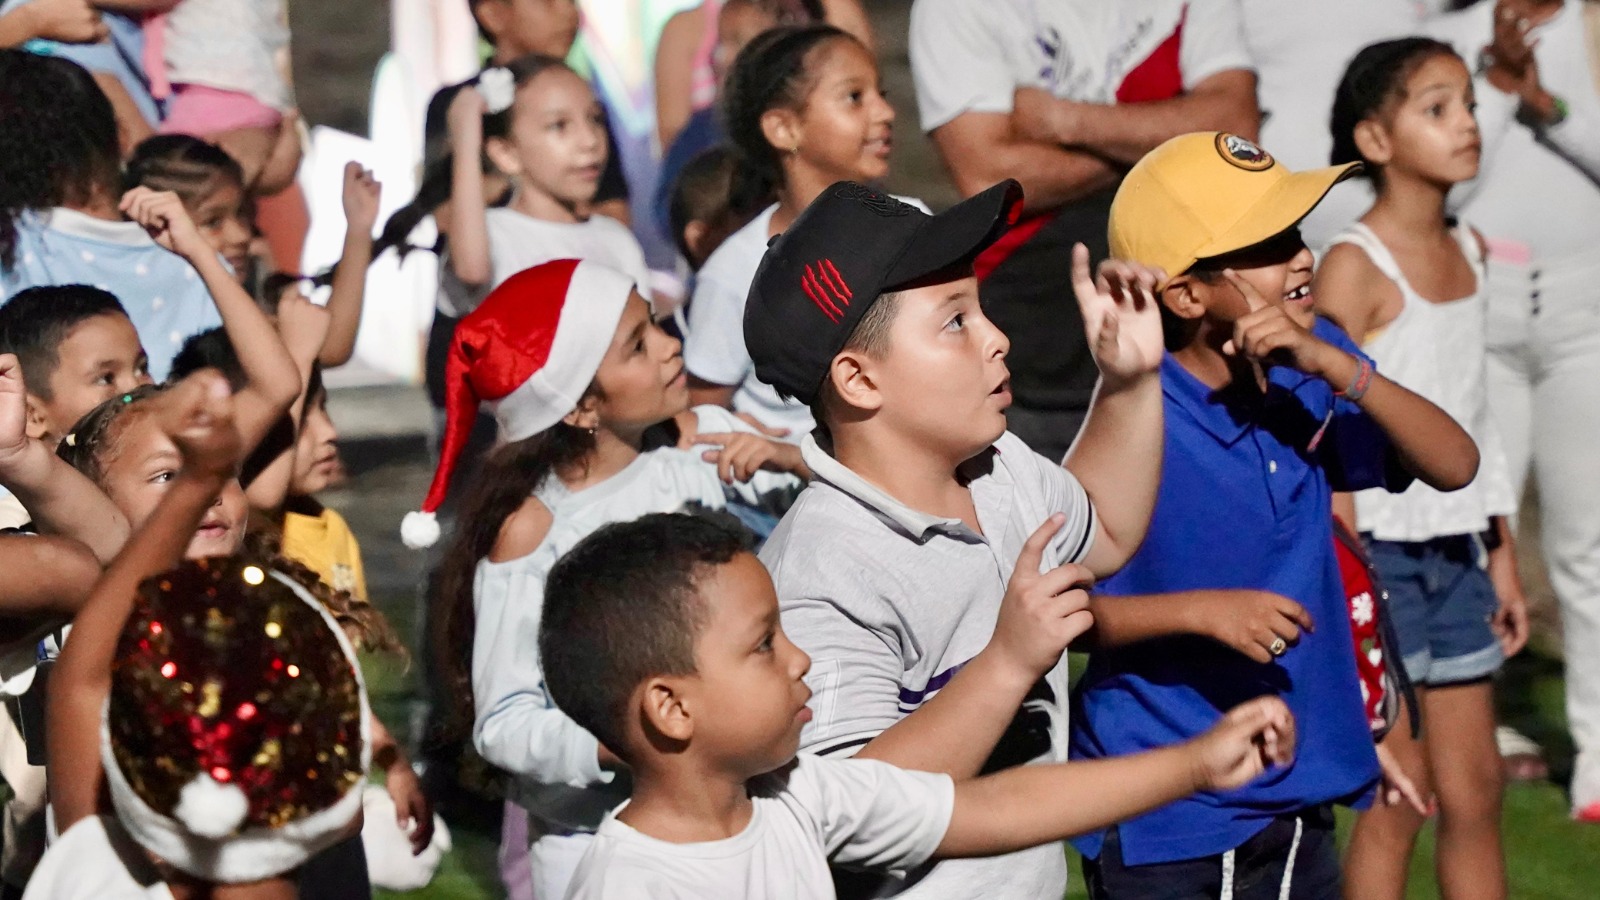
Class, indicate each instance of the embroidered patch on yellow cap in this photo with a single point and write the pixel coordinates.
(1243, 152)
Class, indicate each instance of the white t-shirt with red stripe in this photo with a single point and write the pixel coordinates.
(971, 55)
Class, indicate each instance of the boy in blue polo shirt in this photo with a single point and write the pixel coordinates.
(1235, 592)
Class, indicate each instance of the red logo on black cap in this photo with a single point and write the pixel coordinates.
(826, 288)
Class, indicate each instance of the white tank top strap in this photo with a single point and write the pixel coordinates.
(1474, 251)
(1363, 237)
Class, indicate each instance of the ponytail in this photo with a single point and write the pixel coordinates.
(437, 177)
(1375, 76)
(771, 72)
(510, 474)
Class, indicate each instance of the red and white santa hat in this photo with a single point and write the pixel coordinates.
(529, 351)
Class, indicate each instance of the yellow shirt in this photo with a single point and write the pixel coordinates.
(326, 546)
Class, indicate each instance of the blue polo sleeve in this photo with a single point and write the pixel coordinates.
(1356, 452)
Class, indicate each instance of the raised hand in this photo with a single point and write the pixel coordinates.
(13, 407)
(1510, 50)
(1253, 737)
(1042, 612)
(303, 325)
(362, 193)
(167, 222)
(1121, 317)
(197, 414)
(739, 455)
(1268, 335)
(464, 119)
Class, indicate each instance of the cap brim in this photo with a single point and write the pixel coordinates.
(956, 236)
(1279, 209)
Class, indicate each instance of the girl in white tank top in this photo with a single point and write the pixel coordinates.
(1409, 286)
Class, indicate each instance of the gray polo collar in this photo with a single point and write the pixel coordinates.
(919, 526)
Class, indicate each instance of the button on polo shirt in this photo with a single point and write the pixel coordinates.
(1243, 504)
(891, 602)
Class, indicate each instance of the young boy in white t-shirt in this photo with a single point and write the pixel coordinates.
(661, 636)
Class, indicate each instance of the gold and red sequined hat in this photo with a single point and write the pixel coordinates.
(235, 738)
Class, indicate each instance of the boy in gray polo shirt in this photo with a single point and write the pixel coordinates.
(894, 569)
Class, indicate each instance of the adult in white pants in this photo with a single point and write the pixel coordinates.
(1537, 201)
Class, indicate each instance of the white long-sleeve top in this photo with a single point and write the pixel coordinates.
(1538, 189)
(517, 726)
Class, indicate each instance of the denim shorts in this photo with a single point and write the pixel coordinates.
(1442, 605)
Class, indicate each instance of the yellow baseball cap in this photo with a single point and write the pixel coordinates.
(1208, 193)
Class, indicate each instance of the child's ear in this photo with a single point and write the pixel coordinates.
(38, 424)
(493, 16)
(781, 127)
(851, 373)
(694, 236)
(664, 710)
(585, 415)
(500, 153)
(1372, 139)
(1184, 297)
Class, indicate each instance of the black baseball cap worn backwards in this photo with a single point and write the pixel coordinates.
(819, 278)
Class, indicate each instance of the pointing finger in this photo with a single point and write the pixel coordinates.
(1252, 298)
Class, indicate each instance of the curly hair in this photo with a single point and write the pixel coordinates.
(366, 626)
(58, 140)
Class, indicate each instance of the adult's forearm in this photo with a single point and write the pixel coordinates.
(1126, 132)
(1051, 176)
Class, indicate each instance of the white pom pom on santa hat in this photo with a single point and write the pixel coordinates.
(210, 808)
(419, 530)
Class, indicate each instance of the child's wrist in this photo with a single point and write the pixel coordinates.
(1334, 366)
(1114, 384)
(1003, 672)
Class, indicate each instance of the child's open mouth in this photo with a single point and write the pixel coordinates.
(1300, 295)
(1003, 391)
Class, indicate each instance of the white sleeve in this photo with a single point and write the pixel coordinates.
(1213, 41)
(714, 349)
(855, 671)
(517, 727)
(1060, 492)
(872, 814)
(959, 60)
